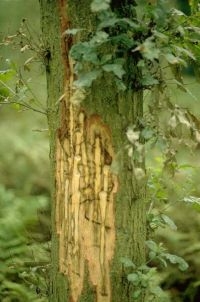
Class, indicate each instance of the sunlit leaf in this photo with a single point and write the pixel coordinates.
(127, 262)
(169, 222)
(6, 75)
(152, 245)
(117, 69)
(86, 79)
(72, 31)
(134, 278)
(100, 5)
(182, 264)
(192, 200)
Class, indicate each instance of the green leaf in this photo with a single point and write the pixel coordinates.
(149, 80)
(99, 38)
(192, 199)
(100, 5)
(161, 36)
(79, 49)
(117, 69)
(127, 262)
(186, 52)
(134, 278)
(130, 23)
(177, 12)
(182, 264)
(72, 31)
(152, 245)
(137, 293)
(120, 85)
(6, 75)
(123, 40)
(174, 59)
(110, 22)
(162, 261)
(149, 50)
(156, 290)
(86, 79)
(169, 222)
(106, 58)
(147, 133)
(152, 255)
(4, 93)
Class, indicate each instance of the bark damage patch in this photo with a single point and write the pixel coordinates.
(85, 189)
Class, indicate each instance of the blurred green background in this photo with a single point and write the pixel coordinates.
(24, 179)
(24, 170)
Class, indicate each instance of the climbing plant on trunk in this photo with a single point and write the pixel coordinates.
(100, 57)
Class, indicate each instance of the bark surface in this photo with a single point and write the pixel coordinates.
(98, 211)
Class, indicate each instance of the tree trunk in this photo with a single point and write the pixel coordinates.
(98, 206)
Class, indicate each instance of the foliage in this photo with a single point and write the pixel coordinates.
(24, 188)
(24, 262)
(15, 85)
(154, 36)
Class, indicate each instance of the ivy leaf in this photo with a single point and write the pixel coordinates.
(174, 59)
(123, 40)
(86, 79)
(120, 85)
(130, 23)
(99, 38)
(148, 50)
(149, 80)
(106, 58)
(127, 262)
(117, 69)
(134, 278)
(83, 51)
(79, 49)
(100, 5)
(108, 22)
(171, 58)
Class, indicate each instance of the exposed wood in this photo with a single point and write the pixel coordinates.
(85, 188)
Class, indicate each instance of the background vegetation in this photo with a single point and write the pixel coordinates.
(24, 166)
(24, 179)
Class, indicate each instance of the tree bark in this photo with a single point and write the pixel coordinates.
(98, 208)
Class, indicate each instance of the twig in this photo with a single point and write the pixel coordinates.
(10, 89)
(24, 105)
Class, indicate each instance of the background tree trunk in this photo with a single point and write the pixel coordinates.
(97, 216)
